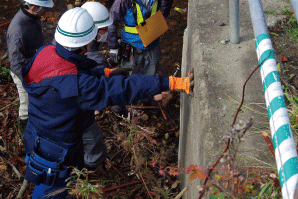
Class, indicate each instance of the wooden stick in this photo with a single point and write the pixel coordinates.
(181, 193)
(141, 107)
(269, 143)
(123, 185)
(5, 24)
(22, 189)
(13, 168)
(114, 168)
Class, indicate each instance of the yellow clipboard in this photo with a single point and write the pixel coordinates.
(152, 28)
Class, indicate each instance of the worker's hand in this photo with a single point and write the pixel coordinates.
(120, 71)
(182, 84)
(114, 55)
(161, 96)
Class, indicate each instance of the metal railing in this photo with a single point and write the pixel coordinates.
(282, 136)
(234, 21)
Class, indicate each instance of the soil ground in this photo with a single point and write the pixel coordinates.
(133, 146)
(286, 51)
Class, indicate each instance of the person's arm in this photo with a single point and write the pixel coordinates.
(97, 72)
(96, 94)
(116, 13)
(100, 59)
(165, 7)
(16, 53)
(109, 72)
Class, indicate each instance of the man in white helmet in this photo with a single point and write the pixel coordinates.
(64, 89)
(24, 37)
(102, 20)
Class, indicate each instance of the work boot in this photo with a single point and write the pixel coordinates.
(101, 167)
(120, 110)
(21, 124)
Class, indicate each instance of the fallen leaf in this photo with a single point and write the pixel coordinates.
(291, 76)
(201, 175)
(283, 58)
(196, 174)
(4, 121)
(173, 23)
(3, 167)
(248, 188)
(193, 176)
(161, 172)
(218, 177)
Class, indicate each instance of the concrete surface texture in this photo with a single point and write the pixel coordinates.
(220, 73)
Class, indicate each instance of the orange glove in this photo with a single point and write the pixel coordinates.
(179, 83)
(108, 71)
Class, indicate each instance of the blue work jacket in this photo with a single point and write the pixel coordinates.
(65, 88)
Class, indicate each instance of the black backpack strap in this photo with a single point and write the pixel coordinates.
(134, 6)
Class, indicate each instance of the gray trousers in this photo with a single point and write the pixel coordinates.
(23, 95)
(145, 62)
(95, 150)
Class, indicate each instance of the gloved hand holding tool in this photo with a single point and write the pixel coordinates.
(183, 84)
(179, 84)
(120, 71)
(110, 72)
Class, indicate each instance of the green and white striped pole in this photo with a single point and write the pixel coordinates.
(283, 141)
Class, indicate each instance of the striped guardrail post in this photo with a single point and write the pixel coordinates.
(282, 136)
(295, 6)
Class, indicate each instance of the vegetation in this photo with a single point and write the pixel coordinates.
(5, 74)
(142, 161)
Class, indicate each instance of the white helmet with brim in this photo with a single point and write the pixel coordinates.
(41, 3)
(75, 28)
(99, 13)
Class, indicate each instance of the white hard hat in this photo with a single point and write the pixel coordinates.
(75, 28)
(99, 13)
(42, 3)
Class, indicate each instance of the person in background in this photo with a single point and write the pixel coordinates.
(64, 89)
(24, 37)
(145, 60)
(132, 13)
(102, 20)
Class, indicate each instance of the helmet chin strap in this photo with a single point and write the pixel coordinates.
(28, 5)
(37, 11)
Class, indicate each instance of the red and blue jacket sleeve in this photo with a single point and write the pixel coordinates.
(96, 94)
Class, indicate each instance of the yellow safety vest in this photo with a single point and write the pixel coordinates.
(139, 17)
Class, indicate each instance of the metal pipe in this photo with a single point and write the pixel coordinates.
(295, 6)
(282, 136)
(234, 21)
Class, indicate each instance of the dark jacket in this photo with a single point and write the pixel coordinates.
(95, 55)
(122, 8)
(24, 37)
(65, 88)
